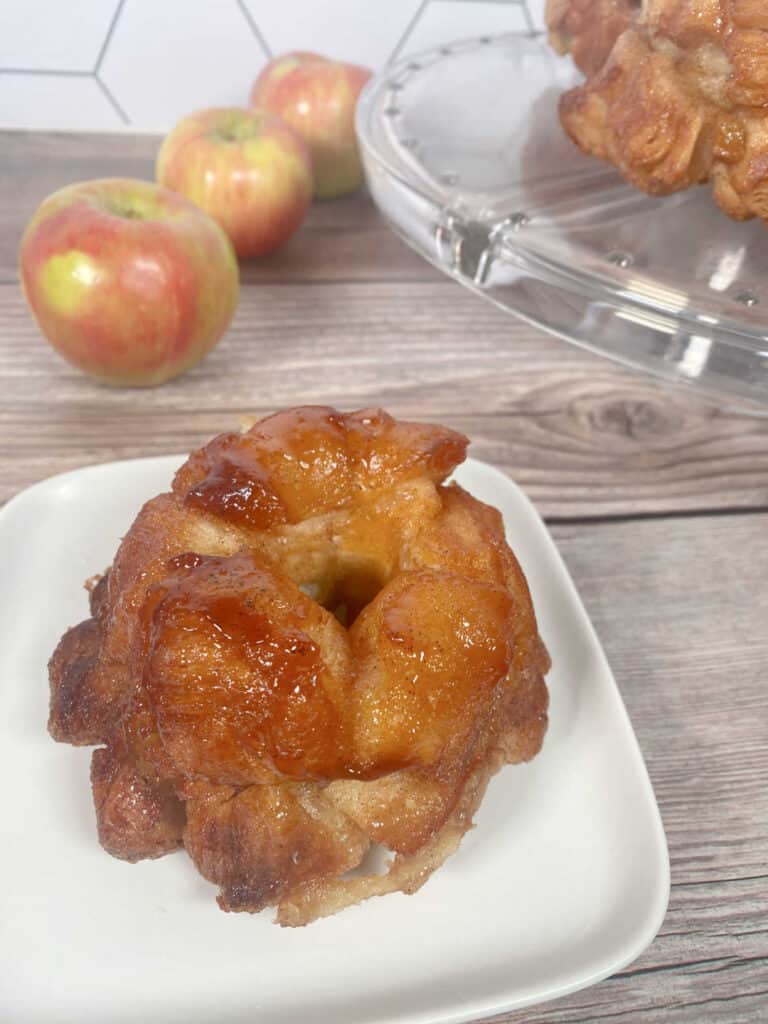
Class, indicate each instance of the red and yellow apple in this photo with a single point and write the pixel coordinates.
(128, 281)
(317, 97)
(246, 168)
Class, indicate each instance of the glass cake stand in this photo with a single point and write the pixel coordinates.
(465, 157)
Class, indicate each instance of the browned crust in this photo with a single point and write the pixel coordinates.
(76, 715)
(587, 29)
(137, 817)
(680, 97)
(275, 840)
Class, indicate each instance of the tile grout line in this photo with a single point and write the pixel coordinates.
(408, 29)
(254, 28)
(111, 99)
(63, 72)
(528, 18)
(108, 37)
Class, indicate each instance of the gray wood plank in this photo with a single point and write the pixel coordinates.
(584, 437)
(681, 606)
(341, 240)
(346, 314)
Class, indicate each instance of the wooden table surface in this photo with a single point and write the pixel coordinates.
(657, 499)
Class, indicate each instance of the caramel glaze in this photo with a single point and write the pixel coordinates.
(250, 680)
(235, 675)
(276, 734)
(430, 649)
(237, 489)
(310, 460)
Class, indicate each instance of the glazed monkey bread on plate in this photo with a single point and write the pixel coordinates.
(310, 646)
(676, 93)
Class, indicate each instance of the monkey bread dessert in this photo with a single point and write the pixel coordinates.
(310, 647)
(676, 93)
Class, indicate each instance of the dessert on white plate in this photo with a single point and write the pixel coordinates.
(563, 881)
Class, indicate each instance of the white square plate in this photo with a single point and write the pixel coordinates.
(564, 880)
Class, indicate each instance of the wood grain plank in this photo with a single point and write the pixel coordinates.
(681, 605)
(346, 314)
(342, 240)
(585, 438)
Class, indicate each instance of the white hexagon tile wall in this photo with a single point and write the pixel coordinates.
(140, 65)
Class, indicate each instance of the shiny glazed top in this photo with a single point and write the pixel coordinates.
(356, 621)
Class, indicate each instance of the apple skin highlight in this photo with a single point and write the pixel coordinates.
(247, 169)
(128, 281)
(317, 97)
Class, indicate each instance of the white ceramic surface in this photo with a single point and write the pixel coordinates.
(564, 880)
